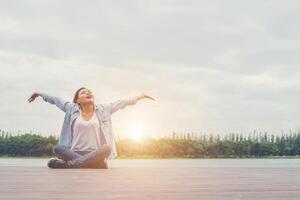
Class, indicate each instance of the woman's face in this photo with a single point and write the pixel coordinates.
(85, 96)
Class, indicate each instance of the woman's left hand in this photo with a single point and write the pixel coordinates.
(146, 96)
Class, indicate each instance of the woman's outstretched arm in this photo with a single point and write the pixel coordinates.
(122, 103)
(59, 102)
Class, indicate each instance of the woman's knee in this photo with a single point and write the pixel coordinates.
(56, 149)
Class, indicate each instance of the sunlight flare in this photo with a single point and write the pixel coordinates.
(136, 134)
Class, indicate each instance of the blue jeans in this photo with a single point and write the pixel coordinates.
(83, 159)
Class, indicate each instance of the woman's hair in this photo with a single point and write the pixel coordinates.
(76, 94)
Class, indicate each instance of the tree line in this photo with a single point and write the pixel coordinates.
(255, 144)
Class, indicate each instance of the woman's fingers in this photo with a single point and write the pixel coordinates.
(32, 97)
(151, 98)
(29, 99)
(146, 96)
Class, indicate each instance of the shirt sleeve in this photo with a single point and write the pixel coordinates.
(122, 103)
(59, 102)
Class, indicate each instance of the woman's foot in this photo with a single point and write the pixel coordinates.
(51, 162)
(57, 163)
(104, 164)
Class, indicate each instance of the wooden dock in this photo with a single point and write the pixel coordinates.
(138, 182)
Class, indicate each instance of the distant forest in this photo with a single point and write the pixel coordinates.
(175, 145)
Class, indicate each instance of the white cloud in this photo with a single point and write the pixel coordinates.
(213, 66)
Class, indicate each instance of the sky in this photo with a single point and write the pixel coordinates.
(212, 66)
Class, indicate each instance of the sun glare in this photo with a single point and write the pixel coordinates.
(136, 134)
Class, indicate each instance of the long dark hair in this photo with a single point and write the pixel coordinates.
(76, 94)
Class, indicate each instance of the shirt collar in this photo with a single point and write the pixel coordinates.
(76, 109)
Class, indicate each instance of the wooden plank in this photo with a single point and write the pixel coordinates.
(138, 182)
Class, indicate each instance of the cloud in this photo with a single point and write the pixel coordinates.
(213, 66)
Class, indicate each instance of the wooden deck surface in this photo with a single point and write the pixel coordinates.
(138, 182)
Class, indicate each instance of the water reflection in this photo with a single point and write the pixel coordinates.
(167, 163)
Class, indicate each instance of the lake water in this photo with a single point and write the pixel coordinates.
(167, 163)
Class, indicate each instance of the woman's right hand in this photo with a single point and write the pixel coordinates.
(33, 96)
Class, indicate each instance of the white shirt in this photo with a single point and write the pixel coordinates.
(86, 136)
(103, 112)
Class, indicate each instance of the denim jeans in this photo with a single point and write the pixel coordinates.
(84, 159)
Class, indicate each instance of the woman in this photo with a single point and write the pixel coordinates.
(86, 139)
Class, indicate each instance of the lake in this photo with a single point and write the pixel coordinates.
(165, 163)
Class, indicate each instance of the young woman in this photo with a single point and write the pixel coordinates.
(86, 139)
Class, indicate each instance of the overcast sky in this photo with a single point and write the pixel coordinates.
(213, 66)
